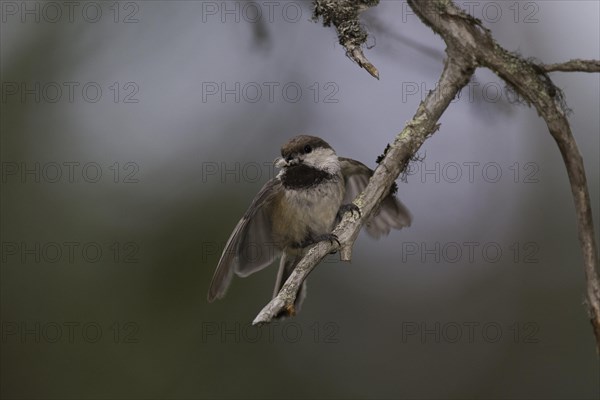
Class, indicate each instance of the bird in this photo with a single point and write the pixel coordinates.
(297, 208)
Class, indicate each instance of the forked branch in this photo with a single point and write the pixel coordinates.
(468, 45)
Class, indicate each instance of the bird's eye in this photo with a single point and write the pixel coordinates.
(307, 149)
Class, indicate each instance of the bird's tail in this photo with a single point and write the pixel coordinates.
(286, 265)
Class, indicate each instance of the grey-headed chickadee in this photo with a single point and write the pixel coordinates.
(297, 208)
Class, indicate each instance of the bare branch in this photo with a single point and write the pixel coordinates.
(469, 45)
(344, 15)
(464, 32)
(356, 54)
(577, 65)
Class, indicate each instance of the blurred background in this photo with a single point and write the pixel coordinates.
(135, 134)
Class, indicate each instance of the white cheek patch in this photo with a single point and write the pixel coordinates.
(323, 159)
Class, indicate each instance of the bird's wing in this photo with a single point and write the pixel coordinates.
(391, 213)
(250, 246)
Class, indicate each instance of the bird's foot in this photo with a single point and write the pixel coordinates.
(330, 237)
(286, 312)
(344, 208)
(290, 310)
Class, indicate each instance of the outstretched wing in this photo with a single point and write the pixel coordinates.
(391, 213)
(250, 246)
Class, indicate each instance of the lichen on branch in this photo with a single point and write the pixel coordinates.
(344, 15)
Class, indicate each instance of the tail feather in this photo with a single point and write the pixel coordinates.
(286, 266)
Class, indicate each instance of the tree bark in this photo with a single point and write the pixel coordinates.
(468, 46)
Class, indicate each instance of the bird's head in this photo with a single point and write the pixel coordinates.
(310, 151)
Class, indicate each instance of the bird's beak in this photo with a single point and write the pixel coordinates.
(280, 162)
